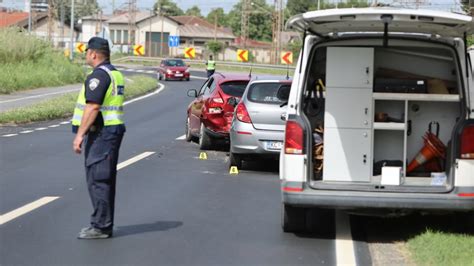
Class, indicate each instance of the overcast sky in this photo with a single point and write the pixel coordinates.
(207, 5)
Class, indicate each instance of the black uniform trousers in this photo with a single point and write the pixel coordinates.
(210, 72)
(101, 157)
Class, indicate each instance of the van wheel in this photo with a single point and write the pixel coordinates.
(293, 219)
(319, 221)
(205, 142)
(235, 160)
(159, 77)
(189, 136)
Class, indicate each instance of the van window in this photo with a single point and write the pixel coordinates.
(234, 88)
(272, 93)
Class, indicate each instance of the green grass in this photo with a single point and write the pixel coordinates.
(441, 248)
(28, 62)
(63, 106)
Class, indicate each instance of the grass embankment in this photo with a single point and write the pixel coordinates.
(442, 248)
(63, 106)
(29, 62)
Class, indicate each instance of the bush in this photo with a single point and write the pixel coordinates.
(28, 62)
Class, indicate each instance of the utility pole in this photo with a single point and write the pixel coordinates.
(162, 26)
(71, 45)
(50, 19)
(149, 34)
(29, 17)
(215, 26)
(132, 8)
(244, 22)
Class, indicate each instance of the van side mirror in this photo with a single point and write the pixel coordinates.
(232, 101)
(192, 93)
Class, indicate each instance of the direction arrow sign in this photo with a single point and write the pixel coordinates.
(287, 58)
(173, 41)
(189, 52)
(242, 55)
(80, 47)
(138, 49)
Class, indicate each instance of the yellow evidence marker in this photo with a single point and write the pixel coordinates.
(233, 170)
(203, 156)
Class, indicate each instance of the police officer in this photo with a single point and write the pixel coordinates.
(99, 127)
(211, 66)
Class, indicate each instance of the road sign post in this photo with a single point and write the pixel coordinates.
(242, 55)
(138, 49)
(190, 52)
(287, 58)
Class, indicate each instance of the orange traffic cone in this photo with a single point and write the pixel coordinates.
(433, 148)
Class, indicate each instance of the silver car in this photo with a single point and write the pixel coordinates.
(259, 120)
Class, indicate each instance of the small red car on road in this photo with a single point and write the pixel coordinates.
(209, 115)
(173, 69)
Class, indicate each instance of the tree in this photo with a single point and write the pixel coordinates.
(217, 13)
(214, 46)
(259, 25)
(295, 7)
(168, 7)
(82, 9)
(194, 11)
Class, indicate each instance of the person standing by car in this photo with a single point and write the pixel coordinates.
(211, 66)
(99, 127)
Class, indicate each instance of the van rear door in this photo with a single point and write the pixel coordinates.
(323, 22)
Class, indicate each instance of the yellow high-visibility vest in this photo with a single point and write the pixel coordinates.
(112, 107)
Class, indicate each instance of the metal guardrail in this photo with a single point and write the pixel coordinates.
(224, 63)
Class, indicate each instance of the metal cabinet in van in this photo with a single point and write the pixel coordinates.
(372, 90)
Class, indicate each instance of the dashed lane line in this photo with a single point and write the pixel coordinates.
(45, 200)
(345, 254)
(54, 126)
(181, 137)
(65, 122)
(134, 159)
(41, 128)
(26, 131)
(9, 135)
(25, 209)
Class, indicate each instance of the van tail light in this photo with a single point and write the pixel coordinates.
(294, 138)
(242, 114)
(467, 142)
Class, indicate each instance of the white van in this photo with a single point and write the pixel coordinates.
(380, 115)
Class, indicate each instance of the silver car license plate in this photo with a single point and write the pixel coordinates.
(273, 145)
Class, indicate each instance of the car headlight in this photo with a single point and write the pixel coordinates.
(169, 71)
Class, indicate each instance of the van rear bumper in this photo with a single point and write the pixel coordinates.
(351, 200)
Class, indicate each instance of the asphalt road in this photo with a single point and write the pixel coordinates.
(171, 207)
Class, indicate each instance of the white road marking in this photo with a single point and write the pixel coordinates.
(54, 126)
(26, 131)
(196, 77)
(37, 96)
(147, 95)
(9, 135)
(150, 71)
(181, 137)
(65, 122)
(40, 128)
(25, 209)
(134, 159)
(139, 70)
(344, 245)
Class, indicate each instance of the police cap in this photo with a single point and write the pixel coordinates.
(97, 43)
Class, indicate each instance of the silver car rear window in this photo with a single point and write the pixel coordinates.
(271, 93)
(234, 88)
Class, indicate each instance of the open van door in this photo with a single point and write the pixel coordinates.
(470, 94)
(375, 19)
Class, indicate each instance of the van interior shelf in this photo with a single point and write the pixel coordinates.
(416, 97)
(389, 126)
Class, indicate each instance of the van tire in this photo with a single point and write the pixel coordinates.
(293, 219)
(205, 142)
(319, 220)
(235, 160)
